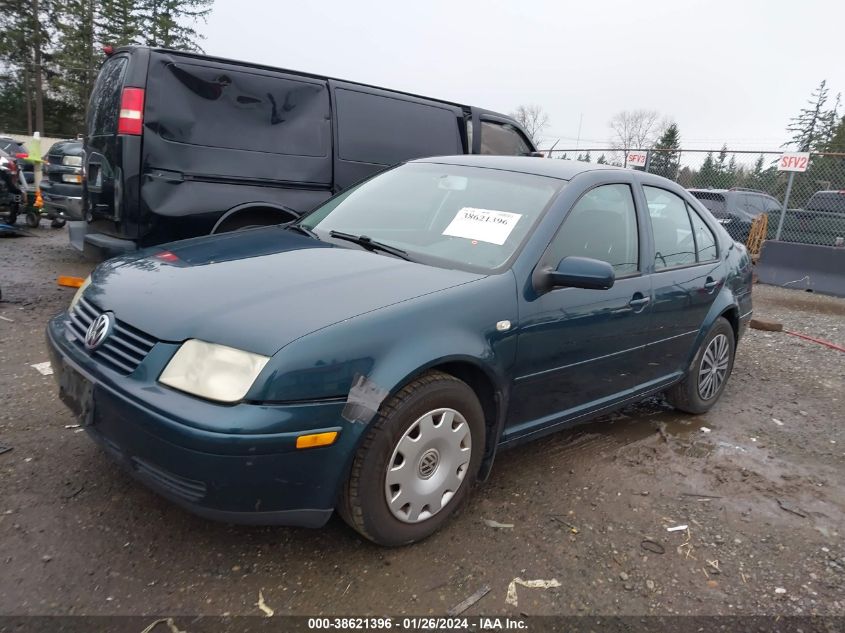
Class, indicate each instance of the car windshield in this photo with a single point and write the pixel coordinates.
(452, 216)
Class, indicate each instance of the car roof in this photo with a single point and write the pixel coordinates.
(553, 168)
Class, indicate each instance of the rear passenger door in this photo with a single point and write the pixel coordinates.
(375, 129)
(686, 277)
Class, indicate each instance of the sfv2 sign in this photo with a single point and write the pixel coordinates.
(794, 161)
(637, 159)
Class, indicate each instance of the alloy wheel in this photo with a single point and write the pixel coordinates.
(714, 367)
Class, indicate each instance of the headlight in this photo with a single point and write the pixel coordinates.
(212, 371)
(72, 161)
(79, 293)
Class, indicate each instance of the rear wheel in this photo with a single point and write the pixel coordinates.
(58, 223)
(706, 379)
(33, 219)
(417, 462)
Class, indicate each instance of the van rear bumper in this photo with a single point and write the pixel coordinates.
(97, 245)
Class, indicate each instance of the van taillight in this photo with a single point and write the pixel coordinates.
(131, 119)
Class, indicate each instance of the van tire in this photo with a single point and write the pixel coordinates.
(251, 218)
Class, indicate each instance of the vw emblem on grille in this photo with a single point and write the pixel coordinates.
(428, 463)
(98, 331)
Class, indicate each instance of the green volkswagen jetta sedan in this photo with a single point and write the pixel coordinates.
(373, 357)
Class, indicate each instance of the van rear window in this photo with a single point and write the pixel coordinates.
(104, 107)
(715, 202)
(220, 107)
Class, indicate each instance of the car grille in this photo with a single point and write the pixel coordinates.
(122, 351)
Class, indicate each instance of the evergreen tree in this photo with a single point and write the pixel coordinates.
(807, 127)
(170, 23)
(706, 176)
(76, 60)
(666, 161)
(119, 22)
(720, 160)
(602, 160)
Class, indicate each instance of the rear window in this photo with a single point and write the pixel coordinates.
(502, 139)
(833, 201)
(385, 130)
(220, 107)
(104, 107)
(715, 202)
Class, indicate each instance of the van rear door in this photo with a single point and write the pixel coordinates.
(104, 194)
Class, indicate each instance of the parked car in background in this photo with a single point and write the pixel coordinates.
(13, 194)
(821, 221)
(61, 182)
(180, 144)
(374, 356)
(18, 151)
(736, 208)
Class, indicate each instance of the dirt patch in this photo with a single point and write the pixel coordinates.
(759, 482)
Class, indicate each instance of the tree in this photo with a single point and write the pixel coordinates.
(666, 157)
(807, 128)
(634, 129)
(602, 160)
(707, 175)
(533, 119)
(119, 22)
(76, 61)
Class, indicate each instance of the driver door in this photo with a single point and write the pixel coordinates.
(581, 349)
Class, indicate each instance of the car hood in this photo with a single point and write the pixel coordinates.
(256, 290)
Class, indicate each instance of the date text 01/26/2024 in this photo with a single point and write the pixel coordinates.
(416, 623)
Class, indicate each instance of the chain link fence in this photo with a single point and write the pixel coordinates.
(746, 191)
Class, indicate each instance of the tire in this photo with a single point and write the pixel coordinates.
(33, 219)
(694, 395)
(58, 223)
(422, 407)
(11, 218)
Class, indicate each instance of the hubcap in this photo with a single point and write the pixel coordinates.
(428, 465)
(714, 367)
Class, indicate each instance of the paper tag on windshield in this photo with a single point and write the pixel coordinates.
(483, 225)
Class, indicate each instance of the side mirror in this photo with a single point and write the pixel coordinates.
(581, 272)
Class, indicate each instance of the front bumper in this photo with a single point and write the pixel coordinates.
(62, 200)
(237, 464)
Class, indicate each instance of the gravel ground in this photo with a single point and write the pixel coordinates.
(759, 481)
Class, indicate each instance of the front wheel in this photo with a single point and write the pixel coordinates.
(417, 462)
(33, 219)
(706, 379)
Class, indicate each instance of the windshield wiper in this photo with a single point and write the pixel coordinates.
(370, 244)
(302, 229)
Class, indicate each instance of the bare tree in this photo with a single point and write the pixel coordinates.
(533, 119)
(635, 129)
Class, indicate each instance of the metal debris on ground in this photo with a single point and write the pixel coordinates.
(5, 449)
(495, 524)
(704, 429)
(572, 528)
(512, 598)
(466, 604)
(677, 528)
(785, 505)
(167, 621)
(71, 426)
(263, 605)
(776, 421)
(2, 318)
(652, 546)
(45, 369)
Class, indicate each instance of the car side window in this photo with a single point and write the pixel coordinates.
(705, 241)
(602, 225)
(674, 244)
(502, 139)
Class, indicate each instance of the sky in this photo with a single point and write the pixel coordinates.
(725, 72)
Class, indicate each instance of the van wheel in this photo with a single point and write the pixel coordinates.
(706, 379)
(252, 218)
(417, 462)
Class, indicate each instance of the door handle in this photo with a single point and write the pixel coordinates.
(710, 283)
(639, 302)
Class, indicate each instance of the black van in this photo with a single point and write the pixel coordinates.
(180, 144)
